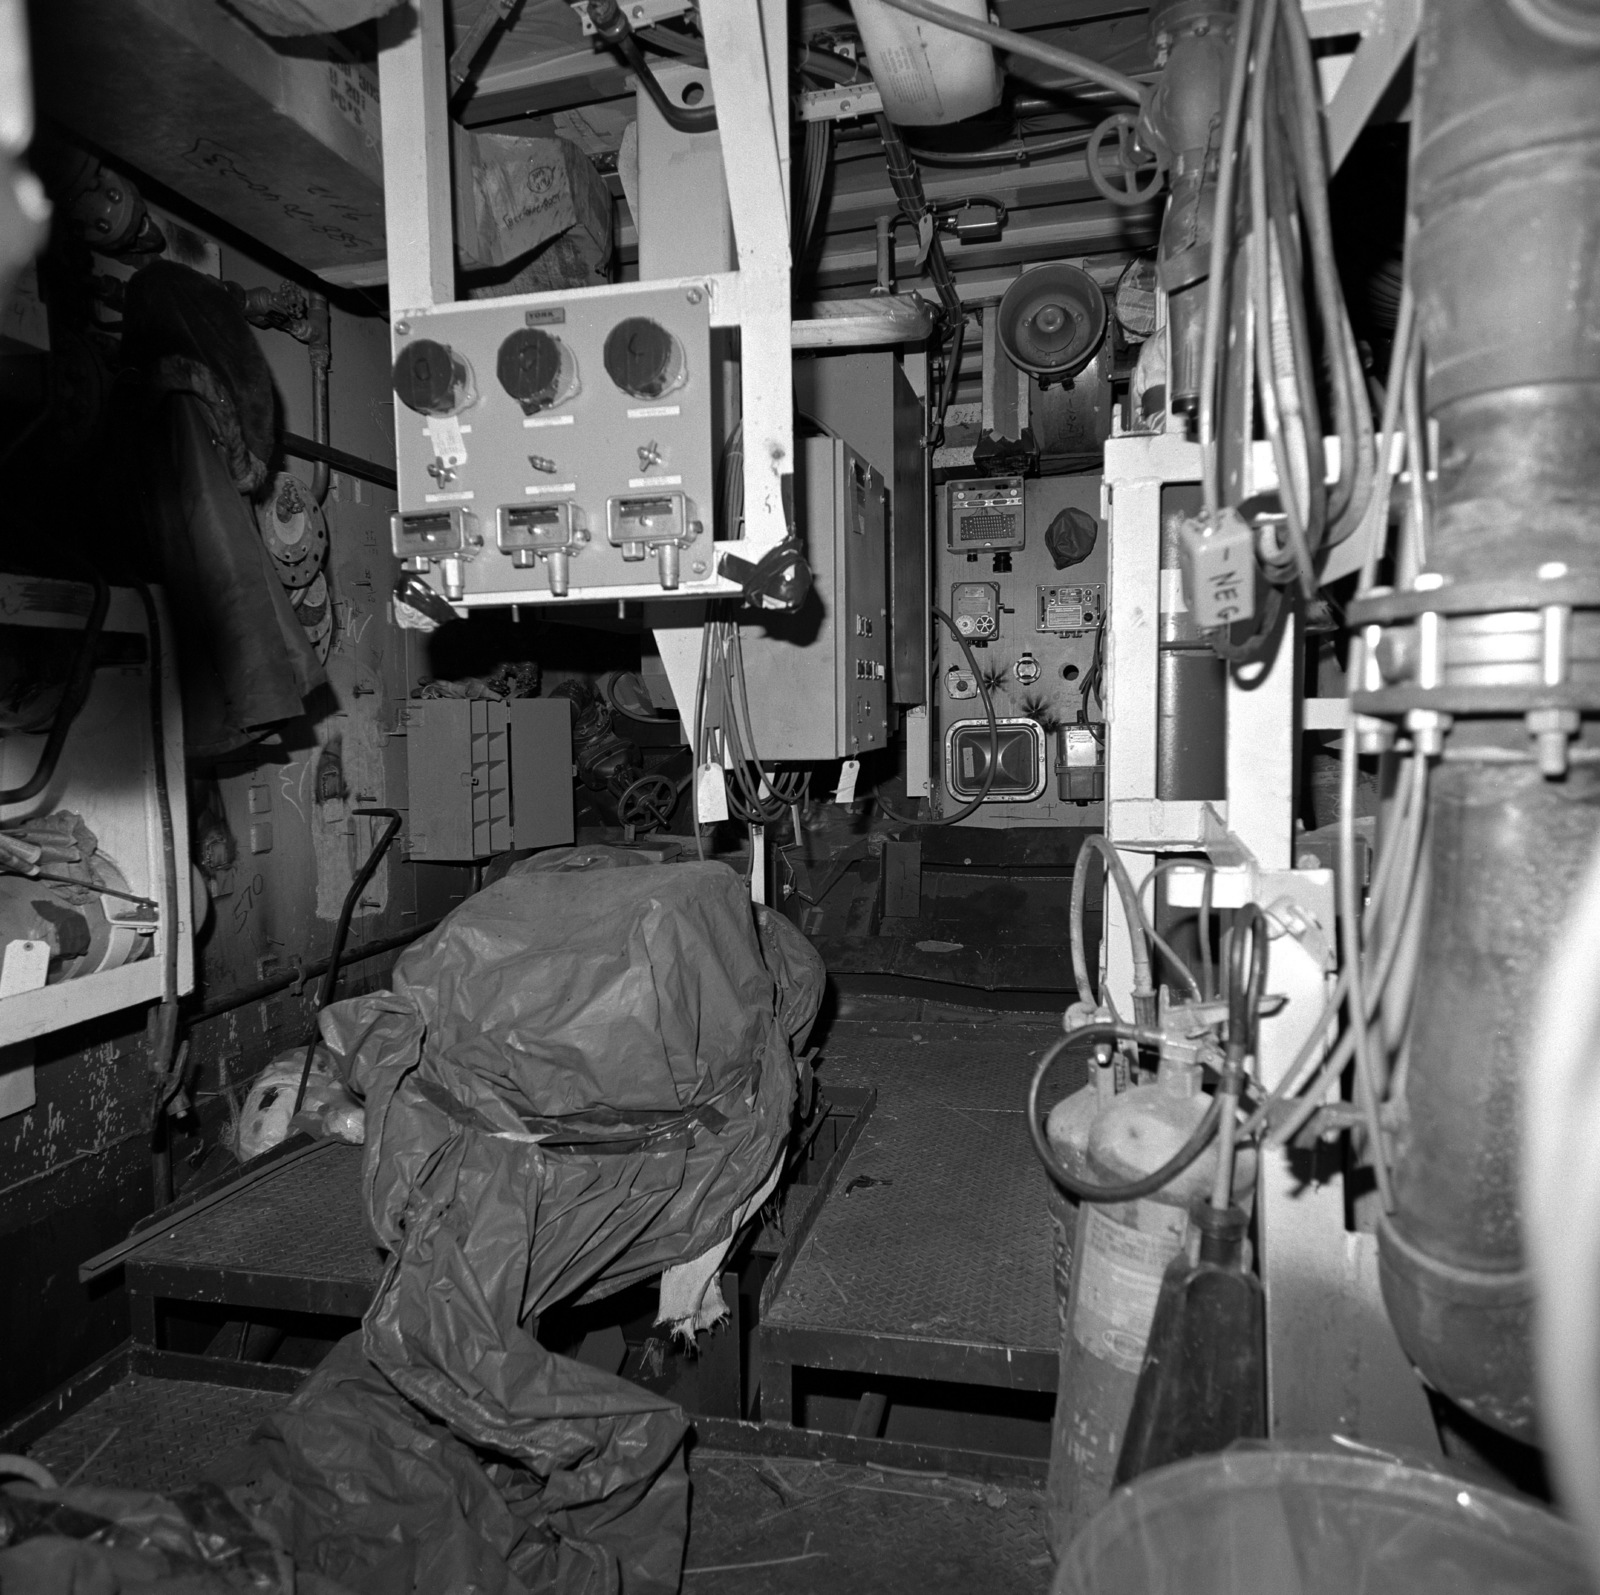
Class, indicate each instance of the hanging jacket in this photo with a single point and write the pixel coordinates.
(207, 421)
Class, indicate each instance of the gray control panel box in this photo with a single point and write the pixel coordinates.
(558, 446)
(818, 679)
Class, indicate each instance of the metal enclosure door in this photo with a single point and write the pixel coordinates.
(865, 398)
(818, 679)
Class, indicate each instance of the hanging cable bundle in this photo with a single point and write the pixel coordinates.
(725, 735)
(1270, 234)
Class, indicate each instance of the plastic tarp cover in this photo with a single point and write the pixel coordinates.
(574, 1083)
(1309, 1521)
(287, 18)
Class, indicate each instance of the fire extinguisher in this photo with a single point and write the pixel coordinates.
(1124, 1167)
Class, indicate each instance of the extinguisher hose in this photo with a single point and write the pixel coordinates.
(1127, 1190)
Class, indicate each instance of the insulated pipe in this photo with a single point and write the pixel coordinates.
(320, 347)
(1505, 267)
(1181, 121)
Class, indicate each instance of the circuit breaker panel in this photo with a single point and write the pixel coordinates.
(818, 679)
(557, 446)
(1022, 574)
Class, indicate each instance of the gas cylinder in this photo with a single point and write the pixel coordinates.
(1114, 1267)
(1068, 1126)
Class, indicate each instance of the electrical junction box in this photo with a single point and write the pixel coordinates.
(485, 777)
(985, 514)
(557, 446)
(1068, 609)
(975, 608)
(817, 679)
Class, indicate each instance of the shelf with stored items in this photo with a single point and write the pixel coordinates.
(113, 911)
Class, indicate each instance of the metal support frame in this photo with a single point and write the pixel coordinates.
(1386, 41)
(747, 48)
(1334, 1365)
(747, 53)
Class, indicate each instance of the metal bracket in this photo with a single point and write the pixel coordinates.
(840, 102)
(641, 13)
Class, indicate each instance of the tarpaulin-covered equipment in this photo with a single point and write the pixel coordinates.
(584, 1077)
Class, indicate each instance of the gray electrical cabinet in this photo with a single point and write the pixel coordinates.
(864, 397)
(486, 777)
(818, 679)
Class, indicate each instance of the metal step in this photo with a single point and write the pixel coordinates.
(932, 1258)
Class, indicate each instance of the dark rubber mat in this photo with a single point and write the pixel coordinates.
(152, 1434)
(779, 1526)
(305, 1222)
(937, 1230)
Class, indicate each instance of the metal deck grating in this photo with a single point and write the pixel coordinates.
(932, 1257)
(859, 1531)
(146, 1433)
(297, 1239)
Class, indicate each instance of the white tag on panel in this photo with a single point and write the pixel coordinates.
(845, 792)
(444, 433)
(710, 795)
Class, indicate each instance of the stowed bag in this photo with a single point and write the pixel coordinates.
(578, 1080)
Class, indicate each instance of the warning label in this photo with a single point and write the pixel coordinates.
(1125, 1250)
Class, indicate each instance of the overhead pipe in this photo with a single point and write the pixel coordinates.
(1505, 269)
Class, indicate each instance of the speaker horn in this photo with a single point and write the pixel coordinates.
(1052, 321)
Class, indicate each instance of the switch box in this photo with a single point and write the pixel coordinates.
(818, 679)
(985, 514)
(486, 777)
(1069, 609)
(975, 608)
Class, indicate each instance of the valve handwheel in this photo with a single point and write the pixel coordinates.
(648, 803)
(1136, 175)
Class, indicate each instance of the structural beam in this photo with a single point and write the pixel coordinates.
(418, 229)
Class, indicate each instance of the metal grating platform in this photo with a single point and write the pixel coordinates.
(777, 1526)
(146, 1433)
(297, 1239)
(932, 1258)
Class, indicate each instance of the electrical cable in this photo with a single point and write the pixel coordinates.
(680, 118)
(972, 805)
(1021, 152)
(691, 51)
(83, 886)
(1267, 273)
(1080, 66)
(1368, 1087)
(1247, 982)
(1399, 362)
(1144, 991)
(1127, 1190)
(1161, 944)
(1395, 874)
(163, 1031)
(330, 977)
(906, 182)
(614, 29)
(1352, 411)
(1221, 253)
(74, 694)
(699, 719)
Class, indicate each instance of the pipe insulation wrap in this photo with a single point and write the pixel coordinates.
(1506, 147)
(926, 74)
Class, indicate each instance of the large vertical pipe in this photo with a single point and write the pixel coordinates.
(1193, 42)
(1505, 265)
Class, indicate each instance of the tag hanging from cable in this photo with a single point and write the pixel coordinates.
(710, 795)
